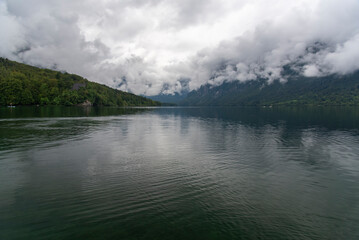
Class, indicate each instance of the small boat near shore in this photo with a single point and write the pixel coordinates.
(10, 106)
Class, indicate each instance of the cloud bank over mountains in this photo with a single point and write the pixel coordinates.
(154, 46)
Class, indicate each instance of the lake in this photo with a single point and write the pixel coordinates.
(179, 173)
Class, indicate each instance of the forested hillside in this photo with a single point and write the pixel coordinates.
(21, 84)
(331, 90)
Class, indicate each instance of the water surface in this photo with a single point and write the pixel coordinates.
(179, 173)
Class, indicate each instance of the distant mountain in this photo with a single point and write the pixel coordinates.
(169, 98)
(21, 84)
(299, 90)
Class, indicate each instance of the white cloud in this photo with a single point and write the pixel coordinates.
(11, 39)
(345, 58)
(149, 46)
(311, 71)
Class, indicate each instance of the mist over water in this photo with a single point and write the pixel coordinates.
(179, 173)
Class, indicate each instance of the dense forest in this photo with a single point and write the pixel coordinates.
(331, 90)
(21, 84)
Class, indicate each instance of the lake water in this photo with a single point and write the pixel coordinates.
(179, 173)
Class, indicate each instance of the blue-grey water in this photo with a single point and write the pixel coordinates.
(179, 173)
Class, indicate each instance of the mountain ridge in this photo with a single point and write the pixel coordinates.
(298, 90)
(22, 84)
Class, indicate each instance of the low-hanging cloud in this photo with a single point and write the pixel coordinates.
(154, 46)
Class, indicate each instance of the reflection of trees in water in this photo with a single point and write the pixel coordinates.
(331, 118)
(32, 126)
(288, 134)
(31, 133)
(61, 111)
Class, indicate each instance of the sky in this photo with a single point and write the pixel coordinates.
(166, 46)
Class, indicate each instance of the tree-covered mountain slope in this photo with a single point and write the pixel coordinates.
(330, 90)
(21, 84)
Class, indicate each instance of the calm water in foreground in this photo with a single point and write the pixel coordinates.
(179, 173)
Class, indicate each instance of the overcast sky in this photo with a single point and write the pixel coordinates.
(154, 46)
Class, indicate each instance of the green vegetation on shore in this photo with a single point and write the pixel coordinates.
(21, 84)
